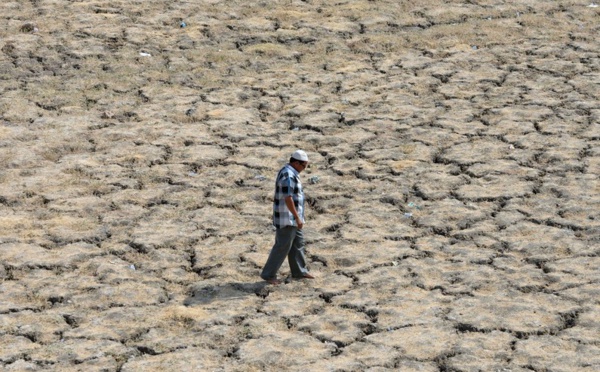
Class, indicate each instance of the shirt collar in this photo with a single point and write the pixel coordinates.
(292, 169)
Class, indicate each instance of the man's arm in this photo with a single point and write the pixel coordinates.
(289, 202)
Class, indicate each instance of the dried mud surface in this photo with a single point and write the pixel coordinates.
(454, 194)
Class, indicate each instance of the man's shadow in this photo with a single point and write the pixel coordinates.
(202, 294)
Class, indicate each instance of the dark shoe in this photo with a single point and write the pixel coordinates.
(273, 281)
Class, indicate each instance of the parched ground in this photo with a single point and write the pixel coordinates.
(454, 220)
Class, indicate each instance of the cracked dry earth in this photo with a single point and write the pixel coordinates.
(454, 195)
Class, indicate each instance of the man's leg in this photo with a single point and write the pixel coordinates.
(284, 237)
(296, 257)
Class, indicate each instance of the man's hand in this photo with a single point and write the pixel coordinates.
(289, 202)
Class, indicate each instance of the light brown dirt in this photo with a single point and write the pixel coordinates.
(454, 195)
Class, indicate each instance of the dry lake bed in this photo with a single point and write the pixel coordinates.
(454, 196)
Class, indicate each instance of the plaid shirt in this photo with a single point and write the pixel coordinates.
(287, 184)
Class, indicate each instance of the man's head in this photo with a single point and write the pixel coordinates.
(299, 160)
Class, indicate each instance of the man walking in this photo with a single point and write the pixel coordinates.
(288, 219)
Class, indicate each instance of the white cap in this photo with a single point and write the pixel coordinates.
(300, 155)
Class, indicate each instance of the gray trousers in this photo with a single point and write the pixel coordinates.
(289, 242)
